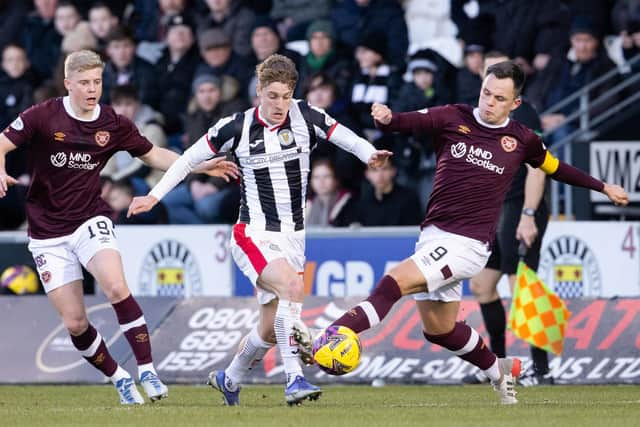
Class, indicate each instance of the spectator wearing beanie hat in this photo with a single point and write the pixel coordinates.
(294, 16)
(324, 57)
(219, 58)
(468, 78)
(569, 71)
(175, 71)
(213, 98)
(374, 81)
(265, 41)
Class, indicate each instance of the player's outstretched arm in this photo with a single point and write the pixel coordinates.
(564, 172)
(219, 167)
(409, 122)
(5, 180)
(141, 204)
(616, 194)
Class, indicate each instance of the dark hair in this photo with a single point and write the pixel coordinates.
(100, 5)
(509, 70)
(120, 33)
(317, 80)
(124, 92)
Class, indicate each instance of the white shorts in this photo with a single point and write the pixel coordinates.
(59, 259)
(253, 249)
(445, 259)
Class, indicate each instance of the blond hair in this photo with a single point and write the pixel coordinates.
(82, 60)
(277, 68)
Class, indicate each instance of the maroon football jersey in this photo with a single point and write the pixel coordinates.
(66, 156)
(475, 165)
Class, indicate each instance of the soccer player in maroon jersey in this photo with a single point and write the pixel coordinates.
(71, 139)
(478, 152)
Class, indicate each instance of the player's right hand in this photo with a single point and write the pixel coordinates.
(5, 182)
(381, 113)
(141, 205)
(616, 194)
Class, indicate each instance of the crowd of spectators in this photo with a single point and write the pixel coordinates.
(175, 67)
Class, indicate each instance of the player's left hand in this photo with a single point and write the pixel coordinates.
(616, 194)
(220, 167)
(379, 158)
(527, 230)
(141, 205)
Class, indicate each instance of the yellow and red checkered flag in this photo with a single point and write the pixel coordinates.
(537, 315)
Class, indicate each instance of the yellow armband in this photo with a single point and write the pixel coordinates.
(550, 164)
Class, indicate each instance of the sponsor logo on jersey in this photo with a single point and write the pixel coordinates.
(169, 269)
(570, 268)
(17, 124)
(262, 159)
(458, 150)
(508, 143)
(476, 156)
(59, 136)
(59, 159)
(75, 161)
(464, 129)
(102, 137)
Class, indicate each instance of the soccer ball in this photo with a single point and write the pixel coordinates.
(337, 350)
(19, 279)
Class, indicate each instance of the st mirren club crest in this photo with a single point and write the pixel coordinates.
(169, 269)
(508, 143)
(102, 137)
(570, 268)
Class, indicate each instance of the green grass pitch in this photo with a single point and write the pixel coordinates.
(263, 406)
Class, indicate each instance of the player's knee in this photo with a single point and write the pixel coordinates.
(116, 291)
(294, 289)
(76, 325)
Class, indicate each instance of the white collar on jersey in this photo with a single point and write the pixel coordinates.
(67, 107)
(476, 115)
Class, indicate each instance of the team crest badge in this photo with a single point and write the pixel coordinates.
(102, 137)
(508, 143)
(464, 129)
(59, 136)
(285, 137)
(46, 276)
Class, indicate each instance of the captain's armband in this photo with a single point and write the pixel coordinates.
(550, 164)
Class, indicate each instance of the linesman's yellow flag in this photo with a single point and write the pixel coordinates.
(537, 315)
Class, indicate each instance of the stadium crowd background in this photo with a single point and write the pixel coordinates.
(177, 66)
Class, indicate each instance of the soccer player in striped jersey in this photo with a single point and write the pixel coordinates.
(272, 143)
(478, 151)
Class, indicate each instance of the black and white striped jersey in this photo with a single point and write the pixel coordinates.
(274, 161)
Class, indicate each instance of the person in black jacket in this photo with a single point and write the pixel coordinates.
(125, 68)
(384, 202)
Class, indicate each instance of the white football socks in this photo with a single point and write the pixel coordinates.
(286, 315)
(251, 351)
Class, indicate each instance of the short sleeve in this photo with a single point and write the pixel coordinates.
(25, 126)
(132, 140)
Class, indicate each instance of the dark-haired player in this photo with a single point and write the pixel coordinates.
(478, 152)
